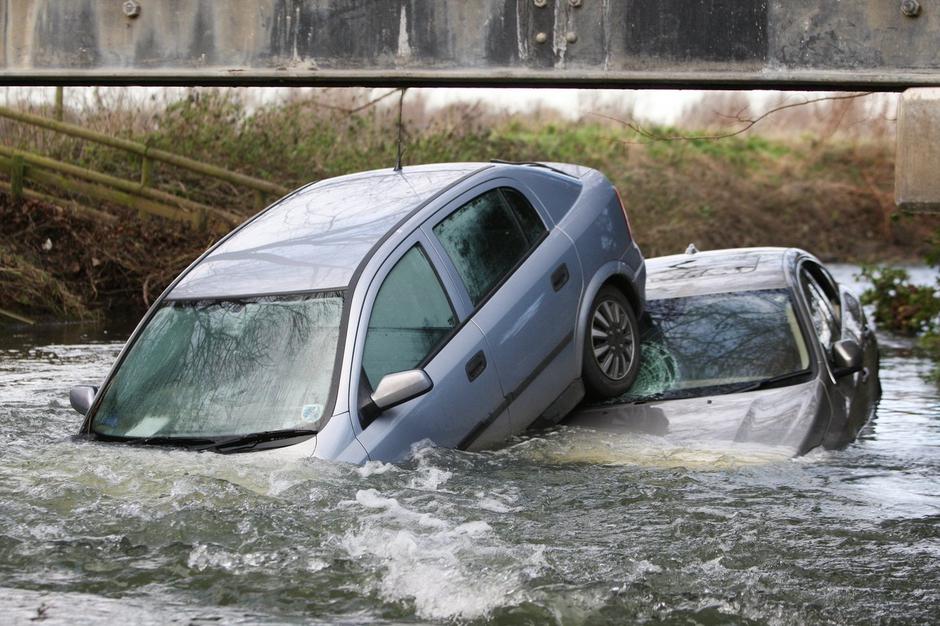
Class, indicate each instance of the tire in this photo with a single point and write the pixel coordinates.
(611, 345)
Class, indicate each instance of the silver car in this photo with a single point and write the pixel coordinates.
(454, 303)
(757, 345)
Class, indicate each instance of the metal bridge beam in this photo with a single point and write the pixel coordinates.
(853, 44)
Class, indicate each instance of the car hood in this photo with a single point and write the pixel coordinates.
(782, 417)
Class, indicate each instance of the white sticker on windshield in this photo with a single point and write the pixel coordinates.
(311, 412)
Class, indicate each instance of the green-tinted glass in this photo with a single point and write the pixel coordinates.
(410, 317)
(213, 368)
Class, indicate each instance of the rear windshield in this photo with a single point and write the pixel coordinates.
(226, 367)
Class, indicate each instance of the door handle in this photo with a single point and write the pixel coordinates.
(476, 365)
(560, 277)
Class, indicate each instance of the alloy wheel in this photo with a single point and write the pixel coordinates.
(612, 339)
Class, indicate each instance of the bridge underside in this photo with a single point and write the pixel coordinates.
(781, 44)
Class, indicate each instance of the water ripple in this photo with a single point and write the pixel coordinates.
(570, 526)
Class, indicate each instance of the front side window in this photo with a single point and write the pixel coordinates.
(226, 367)
(410, 318)
(824, 322)
(487, 237)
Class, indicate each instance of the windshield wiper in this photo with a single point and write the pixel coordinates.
(774, 381)
(197, 443)
(243, 443)
(620, 400)
(680, 394)
(659, 395)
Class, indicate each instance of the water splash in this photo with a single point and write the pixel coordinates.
(570, 526)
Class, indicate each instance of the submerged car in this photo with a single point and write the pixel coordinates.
(455, 303)
(755, 345)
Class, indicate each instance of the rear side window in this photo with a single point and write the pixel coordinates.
(410, 318)
(487, 237)
(529, 221)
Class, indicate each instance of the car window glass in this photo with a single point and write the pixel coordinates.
(410, 317)
(529, 220)
(485, 239)
(212, 368)
(826, 284)
(824, 322)
(697, 345)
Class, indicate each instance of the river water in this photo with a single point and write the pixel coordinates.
(569, 526)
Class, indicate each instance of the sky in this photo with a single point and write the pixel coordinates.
(656, 106)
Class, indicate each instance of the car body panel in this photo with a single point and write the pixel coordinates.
(827, 410)
(446, 424)
(600, 236)
(338, 441)
(717, 271)
(772, 417)
(556, 196)
(529, 326)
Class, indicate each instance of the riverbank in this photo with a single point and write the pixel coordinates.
(830, 196)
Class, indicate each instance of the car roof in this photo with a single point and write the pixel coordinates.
(718, 271)
(316, 238)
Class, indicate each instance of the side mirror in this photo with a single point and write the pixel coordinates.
(81, 397)
(846, 358)
(395, 389)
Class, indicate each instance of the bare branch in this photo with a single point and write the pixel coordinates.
(361, 107)
(749, 123)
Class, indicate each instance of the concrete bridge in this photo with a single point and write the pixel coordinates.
(869, 45)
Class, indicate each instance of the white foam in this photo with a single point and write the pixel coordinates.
(372, 468)
(371, 499)
(203, 557)
(429, 478)
(493, 505)
(435, 563)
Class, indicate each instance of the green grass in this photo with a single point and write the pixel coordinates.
(831, 197)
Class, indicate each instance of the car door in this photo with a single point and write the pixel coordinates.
(522, 279)
(412, 320)
(827, 328)
(860, 390)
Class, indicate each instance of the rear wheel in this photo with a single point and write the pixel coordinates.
(611, 346)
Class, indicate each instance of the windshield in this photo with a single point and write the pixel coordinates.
(718, 343)
(226, 367)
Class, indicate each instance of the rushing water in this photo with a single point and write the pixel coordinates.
(570, 526)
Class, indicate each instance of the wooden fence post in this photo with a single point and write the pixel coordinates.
(17, 173)
(146, 175)
(201, 221)
(146, 172)
(59, 103)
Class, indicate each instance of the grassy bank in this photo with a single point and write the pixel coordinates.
(832, 197)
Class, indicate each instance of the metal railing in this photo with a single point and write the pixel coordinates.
(24, 166)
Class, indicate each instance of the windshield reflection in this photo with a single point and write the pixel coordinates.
(226, 367)
(718, 343)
